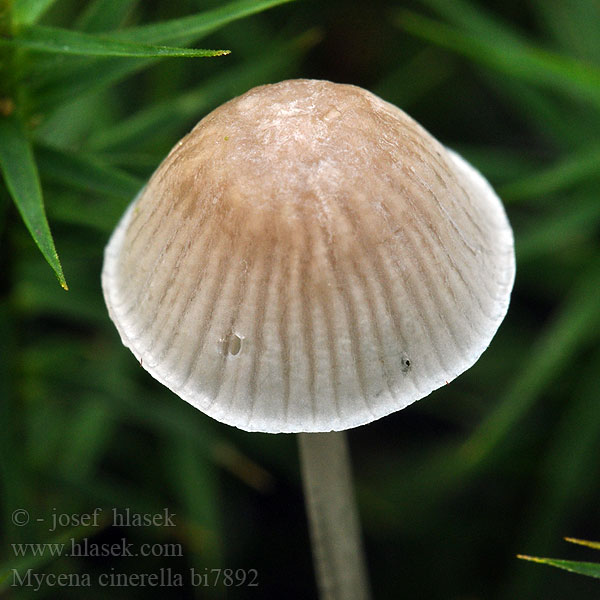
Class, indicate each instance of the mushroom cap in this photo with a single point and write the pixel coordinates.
(309, 258)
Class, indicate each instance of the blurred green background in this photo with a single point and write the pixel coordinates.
(505, 460)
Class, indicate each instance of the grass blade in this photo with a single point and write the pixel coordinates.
(575, 25)
(104, 15)
(186, 29)
(552, 353)
(594, 545)
(21, 176)
(543, 111)
(415, 78)
(561, 230)
(581, 568)
(195, 485)
(92, 74)
(474, 18)
(518, 59)
(26, 12)
(63, 41)
(85, 173)
(555, 178)
(562, 478)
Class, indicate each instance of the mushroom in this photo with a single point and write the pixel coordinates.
(310, 259)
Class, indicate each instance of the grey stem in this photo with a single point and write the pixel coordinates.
(334, 526)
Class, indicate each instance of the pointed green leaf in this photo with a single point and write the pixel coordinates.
(20, 174)
(52, 86)
(518, 59)
(594, 545)
(29, 11)
(582, 568)
(65, 41)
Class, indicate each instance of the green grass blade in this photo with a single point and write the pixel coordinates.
(104, 15)
(77, 77)
(71, 124)
(581, 568)
(182, 31)
(415, 78)
(63, 41)
(26, 12)
(517, 59)
(587, 543)
(561, 477)
(86, 173)
(21, 176)
(551, 355)
(89, 433)
(560, 230)
(53, 86)
(195, 484)
(473, 18)
(557, 178)
(575, 25)
(544, 111)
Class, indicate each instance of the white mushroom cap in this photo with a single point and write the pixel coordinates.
(309, 258)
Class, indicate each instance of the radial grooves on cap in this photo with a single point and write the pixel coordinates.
(163, 251)
(326, 306)
(341, 288)
(432, 158)
(324, 233)
(437, 166)
(431, 286)
(168, 290)
(215, 285)
(375, 325)
(245, 271)
(145, 247)
(283, 300)
(351, 323)
(194, 229)
(378, 272)
(259, 323)
(165, 207)
(168, 328)
(306, 322)
(428, 227)
(411, 284)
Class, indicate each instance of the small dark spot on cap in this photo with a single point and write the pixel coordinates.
(406, 364)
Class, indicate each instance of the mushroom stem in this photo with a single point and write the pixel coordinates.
(334, 526)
